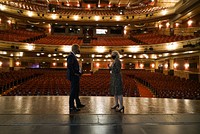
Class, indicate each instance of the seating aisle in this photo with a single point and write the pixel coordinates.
(144, 91)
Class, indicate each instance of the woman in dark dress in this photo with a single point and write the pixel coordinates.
(116, 86)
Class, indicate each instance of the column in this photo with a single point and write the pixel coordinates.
(11, 64)
(171, 64)
(171, 30)
(171, 67)
(156, 64)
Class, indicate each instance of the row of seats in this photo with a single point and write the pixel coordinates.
(166, 86)
(154, 38)
(41, 38)
(112, 41)
(54, 82)
(25, 6)
(59, 40)
(98, 41)
(145, 10)
(18, 35)
(87, 12)
(68, 11)
(10, 79)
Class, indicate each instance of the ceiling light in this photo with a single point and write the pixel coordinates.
(93, 55)
(53, 16)
(100, 49)
(2, 7)
(96, 18)
(172, 46)
(134, 48)
(164, 12)
(30, 47)
(99, 55)
(117, 18)
(30, 14)
(154, 56)
(19, 54)
(76, 17)
(67, 48)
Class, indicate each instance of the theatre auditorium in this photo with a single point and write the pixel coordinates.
(159, 46)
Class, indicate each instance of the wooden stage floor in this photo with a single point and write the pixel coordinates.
(50, 115)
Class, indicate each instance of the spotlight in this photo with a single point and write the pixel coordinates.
(38, 14)
(60, 16)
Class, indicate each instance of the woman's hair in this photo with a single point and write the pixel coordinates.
(116, 53)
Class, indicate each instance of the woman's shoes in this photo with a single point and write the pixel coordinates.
(120, 109)
(115, 106)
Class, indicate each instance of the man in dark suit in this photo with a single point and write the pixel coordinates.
(73, 75)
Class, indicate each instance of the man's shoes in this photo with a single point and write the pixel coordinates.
(74, 109)
(80, 106)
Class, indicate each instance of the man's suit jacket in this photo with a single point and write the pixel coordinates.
(72, 67)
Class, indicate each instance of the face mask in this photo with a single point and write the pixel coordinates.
(78, 52)
(113, 56)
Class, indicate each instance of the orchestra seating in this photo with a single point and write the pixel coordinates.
(13, 78)
(166, 86)
(154, 38)
(54, 82)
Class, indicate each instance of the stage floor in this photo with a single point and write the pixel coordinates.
(50, 115)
